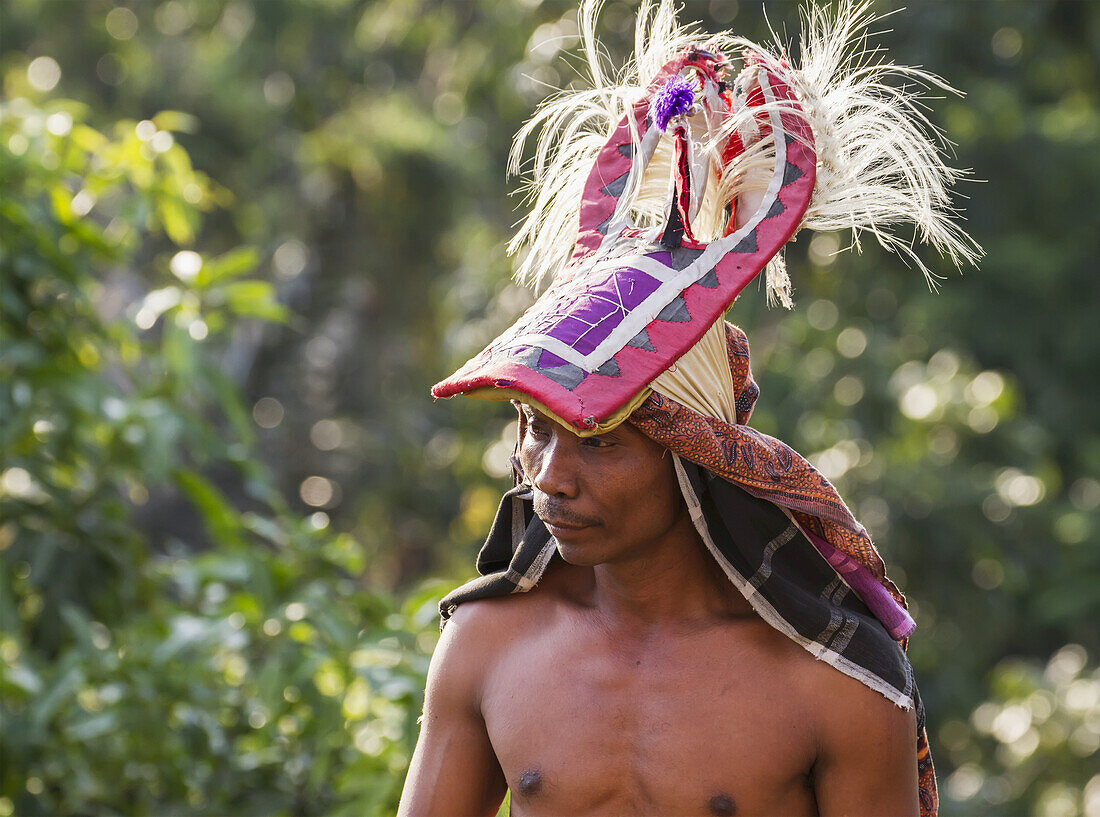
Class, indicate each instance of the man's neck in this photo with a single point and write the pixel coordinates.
(672, 581)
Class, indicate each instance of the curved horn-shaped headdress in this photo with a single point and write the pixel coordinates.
(632, 297)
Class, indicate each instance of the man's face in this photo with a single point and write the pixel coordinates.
(604, 498)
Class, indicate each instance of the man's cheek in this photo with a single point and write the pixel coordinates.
(528, 458)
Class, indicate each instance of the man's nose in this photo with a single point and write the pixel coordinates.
(556, 471)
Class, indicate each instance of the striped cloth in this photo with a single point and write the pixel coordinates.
(758, 546)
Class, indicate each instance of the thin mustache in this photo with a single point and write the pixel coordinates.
(557, 512)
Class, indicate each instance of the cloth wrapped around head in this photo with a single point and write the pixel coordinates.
(636, 225)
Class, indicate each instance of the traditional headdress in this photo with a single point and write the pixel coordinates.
(634, 225)
(634, 188)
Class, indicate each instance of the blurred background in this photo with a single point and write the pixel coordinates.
(240, 241)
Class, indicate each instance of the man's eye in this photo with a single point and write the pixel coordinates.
(537, 430)
(597, 442)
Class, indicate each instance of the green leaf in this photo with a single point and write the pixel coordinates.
(180, 353)
(21, 676)
(62, 203)
(254, 299)
(232, 264)
(87, 138)
(186, 631)
(93, 726)
(269, 529)
(79, 625)
(62, 689)
(222, 520)
(177, 121)
(178, 219)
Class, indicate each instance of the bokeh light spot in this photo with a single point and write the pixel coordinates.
(316, 491)
(1019, 489)
(146, 129)
(988, 574)
(172, 18)
(59, 124)
(848, 390)
(326, 435)
(918, 401)
(851, 342)
(110, 70)
(198, 330)
(984, 389)
(18, 144)
(1065, 664)
(449, 108)
(290, 259)
(822, 315)
(1007, 43)
(1085, 494)
(823, 249)
(994, 509)
(43, 73)
(982, 419)
(185, 265)
(278, 89)
(162, 141)
(1072, 528)
(321, 352)
(268, 412)
(121, 23)
(965, 782)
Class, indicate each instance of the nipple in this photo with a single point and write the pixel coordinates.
(530, 783)
(721, 805)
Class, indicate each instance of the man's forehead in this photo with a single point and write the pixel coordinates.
(532, 413)
(623, 431)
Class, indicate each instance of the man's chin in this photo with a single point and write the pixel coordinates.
(578, 554)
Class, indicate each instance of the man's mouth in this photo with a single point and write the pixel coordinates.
(550, 523)
(557, 520)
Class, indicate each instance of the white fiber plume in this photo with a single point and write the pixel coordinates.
(878, 162)
(879, 166)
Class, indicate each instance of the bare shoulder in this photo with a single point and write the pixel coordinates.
(475, 631)
(479, 632)
(866, 745)
(454, 769)
(493, 621)
(471, 638)
(851, 711)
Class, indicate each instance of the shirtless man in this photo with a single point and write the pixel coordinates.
(636, 680)
(656, 589)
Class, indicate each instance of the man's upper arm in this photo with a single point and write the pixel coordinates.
(454, 770)
(867, 761)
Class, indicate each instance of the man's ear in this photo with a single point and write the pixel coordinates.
(518, 477)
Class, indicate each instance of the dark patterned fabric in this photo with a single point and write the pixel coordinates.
(768, 469)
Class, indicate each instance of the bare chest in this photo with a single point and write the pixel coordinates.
(690, 726)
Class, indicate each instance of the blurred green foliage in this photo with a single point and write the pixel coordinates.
(349, 254)
(1015, 743)
(253, 676)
